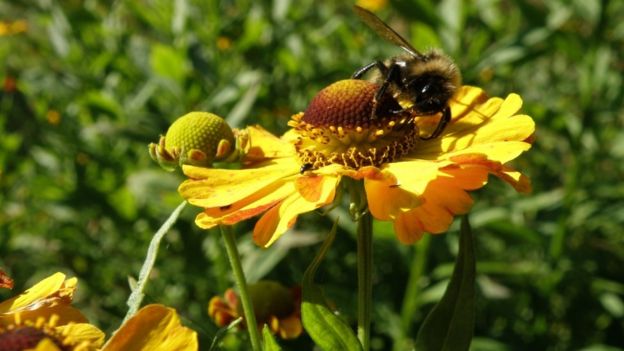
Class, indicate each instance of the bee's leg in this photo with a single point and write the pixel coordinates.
(362, 71)
(446, 118)
(392, 75)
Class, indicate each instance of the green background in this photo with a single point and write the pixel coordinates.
(97, 81)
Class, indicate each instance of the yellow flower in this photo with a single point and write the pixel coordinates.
(417, 184)
(274, 305)
(14, 27)
(154, 328)
(41, 318)
(51, 296)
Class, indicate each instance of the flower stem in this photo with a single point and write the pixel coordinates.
(136, 297)
(365, 278)
(412, 298)
(239, 276)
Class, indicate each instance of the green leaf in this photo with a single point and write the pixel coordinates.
(327, 330)
(269, 341)
(450, 324)
(222, 332)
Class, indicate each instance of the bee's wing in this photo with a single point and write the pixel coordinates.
(383, 30)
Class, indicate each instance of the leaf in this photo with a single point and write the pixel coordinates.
(222, 332)
(269, 341)
(450, 324)
(327, 330)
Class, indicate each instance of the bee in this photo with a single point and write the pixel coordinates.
(424, 81)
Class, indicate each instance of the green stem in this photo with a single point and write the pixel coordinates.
(239, 276)
(412, 299)
(365, 277)
(136, 297)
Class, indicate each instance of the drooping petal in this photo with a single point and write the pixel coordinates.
(442, 201)
(246, 208)
(153, 328)
(519, 181)
(386, 201)
(445, 197)
(282, 216)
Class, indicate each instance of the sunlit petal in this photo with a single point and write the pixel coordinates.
(154, 328)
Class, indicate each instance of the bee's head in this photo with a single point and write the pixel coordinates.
(430, 92)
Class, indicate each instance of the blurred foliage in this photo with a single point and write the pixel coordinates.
(88, 84)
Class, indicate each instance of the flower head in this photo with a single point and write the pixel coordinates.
(417, 184)
(42, 319)
(274, 305)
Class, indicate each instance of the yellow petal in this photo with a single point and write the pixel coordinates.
(76, 333)
(50, 291)
(444, 197)
(485, 122)
(502, 151)
(386, 201)
(210, 187)
(153, 328)
(64, 313)
(45, 345)
(245, 208)
(283, 216)
(519, 181)
(414, 175)
(263, 145)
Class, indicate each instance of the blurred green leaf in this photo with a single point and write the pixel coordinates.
(168, 62)
(450, 324)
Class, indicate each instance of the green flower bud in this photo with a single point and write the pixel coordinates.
(197, 138)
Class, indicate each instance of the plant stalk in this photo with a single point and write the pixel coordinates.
(136, 297)
(365, 278)
(239, 276)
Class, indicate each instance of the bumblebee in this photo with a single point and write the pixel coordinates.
(422, 81)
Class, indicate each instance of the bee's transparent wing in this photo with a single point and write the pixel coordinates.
(383, 30)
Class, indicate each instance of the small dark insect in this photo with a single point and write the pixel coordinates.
(305, 167)
(425, 81)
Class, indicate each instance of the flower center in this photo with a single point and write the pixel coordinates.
(345, 125)
(25, 337)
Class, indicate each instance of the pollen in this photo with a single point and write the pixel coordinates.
(347, 125)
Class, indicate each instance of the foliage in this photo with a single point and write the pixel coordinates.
(89, 84)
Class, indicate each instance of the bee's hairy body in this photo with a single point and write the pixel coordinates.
(421, 82)
(433, 72)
